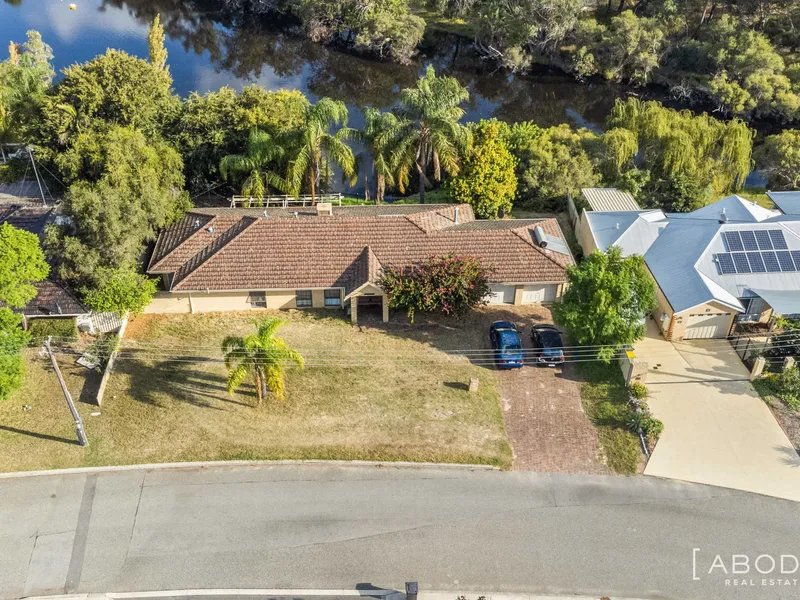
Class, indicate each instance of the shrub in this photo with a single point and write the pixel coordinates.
(449, 284)
(652, 428)
(638, 390)
(789, 387)
(120, 291)
(59, 328)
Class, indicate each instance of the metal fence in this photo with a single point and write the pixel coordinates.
(283, 201)
(751, 347)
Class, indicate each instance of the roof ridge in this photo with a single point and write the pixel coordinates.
(153, 265)
(209, 251)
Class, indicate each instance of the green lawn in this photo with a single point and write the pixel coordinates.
(605, 401)
(757, 195)
(415, 407)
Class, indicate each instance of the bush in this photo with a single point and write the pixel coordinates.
(448, 284)
(59, 328)
(652, 428)
(789, 387)
(638, 390)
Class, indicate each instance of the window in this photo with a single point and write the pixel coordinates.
(257, 299)
(303, 298)
(333, 298)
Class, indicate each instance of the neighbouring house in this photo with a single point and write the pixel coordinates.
(54, 298)
(787, 202)
(240, 259)
(730, 261)
(599, 200)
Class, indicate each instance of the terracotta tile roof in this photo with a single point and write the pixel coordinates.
(53, 298)
(349, 248)
(28, 218)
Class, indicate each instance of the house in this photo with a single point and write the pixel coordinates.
(599, 200)
(730, 261)
(787, 202)
(246, 258)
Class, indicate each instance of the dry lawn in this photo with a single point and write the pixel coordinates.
(369, 393)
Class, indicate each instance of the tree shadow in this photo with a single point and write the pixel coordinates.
(790, 456)
(189, 382)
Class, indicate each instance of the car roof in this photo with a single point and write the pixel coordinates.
(504, 325)
(546, 328)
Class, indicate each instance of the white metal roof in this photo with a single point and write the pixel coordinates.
(609, 199)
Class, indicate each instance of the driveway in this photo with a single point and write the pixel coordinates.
(544, 419)
(716, 428)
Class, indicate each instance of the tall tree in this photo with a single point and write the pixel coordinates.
(262, 356)
(258, 162)
(606, 301)
(155, 43)
(779, 159)
(21, 265)
(312, 149)
(377, 123)
(428, 131)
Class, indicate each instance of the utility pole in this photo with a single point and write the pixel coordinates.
(78, 421)
(36, 172)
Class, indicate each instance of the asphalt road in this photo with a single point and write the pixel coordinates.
(289, 527)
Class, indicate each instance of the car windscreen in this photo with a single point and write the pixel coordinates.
(550, 339)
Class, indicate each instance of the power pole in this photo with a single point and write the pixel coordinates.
(36, 172)
(78, 421)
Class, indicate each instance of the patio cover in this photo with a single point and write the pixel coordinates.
(783, 302)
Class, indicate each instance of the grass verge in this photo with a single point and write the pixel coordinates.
(158, 409)
(605, 401)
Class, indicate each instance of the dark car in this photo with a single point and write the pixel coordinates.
(549, 350)
(507, 345)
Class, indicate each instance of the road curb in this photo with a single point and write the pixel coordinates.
(249, 463)
(299, 593)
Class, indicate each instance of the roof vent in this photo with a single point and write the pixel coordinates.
(197, 223)
(210, 230)
(616, 226)
(723, 217)
(539, 236)
(266, 214)
(325, 208)
(455, 215)
(295, 214)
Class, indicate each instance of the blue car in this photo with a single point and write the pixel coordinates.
(506, 344)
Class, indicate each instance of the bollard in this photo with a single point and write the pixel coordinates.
(758, 368)
(788, 363)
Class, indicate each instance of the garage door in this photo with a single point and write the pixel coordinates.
(532, 294)
(708, 325)
(502, 294)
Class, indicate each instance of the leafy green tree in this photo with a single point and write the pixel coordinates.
(214, 125)
(21, 265)
(714, 153)
(24, 78)
(449, 284)
(312, 150)
(262, 356)
(131, 189)
(606, 301)
(113, 89)
(382, 27)
(258, 163)
(487, 180)
(428, 131)
(155, 43)
(779, 160)
(120, 291)
(551, 163)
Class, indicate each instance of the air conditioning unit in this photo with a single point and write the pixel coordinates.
(325, 208)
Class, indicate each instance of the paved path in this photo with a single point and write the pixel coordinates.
(324, 527)
(716, 428)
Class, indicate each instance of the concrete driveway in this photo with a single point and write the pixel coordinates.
(717, 430)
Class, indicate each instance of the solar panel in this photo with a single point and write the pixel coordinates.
(740, 260)
(764, 243)
(778, 241)
(796, 257)
(785, 260)
(749, 240)
(771, 262)
(734, 241)
(756, 262)
(725, 264)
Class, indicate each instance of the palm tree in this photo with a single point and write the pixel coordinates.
(313, 148)
(261, 355)
(428, 130)
(377, 124)
(262, 152)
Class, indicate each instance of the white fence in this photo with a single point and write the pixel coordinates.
(283, 201)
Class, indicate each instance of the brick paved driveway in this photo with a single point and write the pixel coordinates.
(546, 425)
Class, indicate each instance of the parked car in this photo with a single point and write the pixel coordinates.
(507, 345)
(549, 350)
